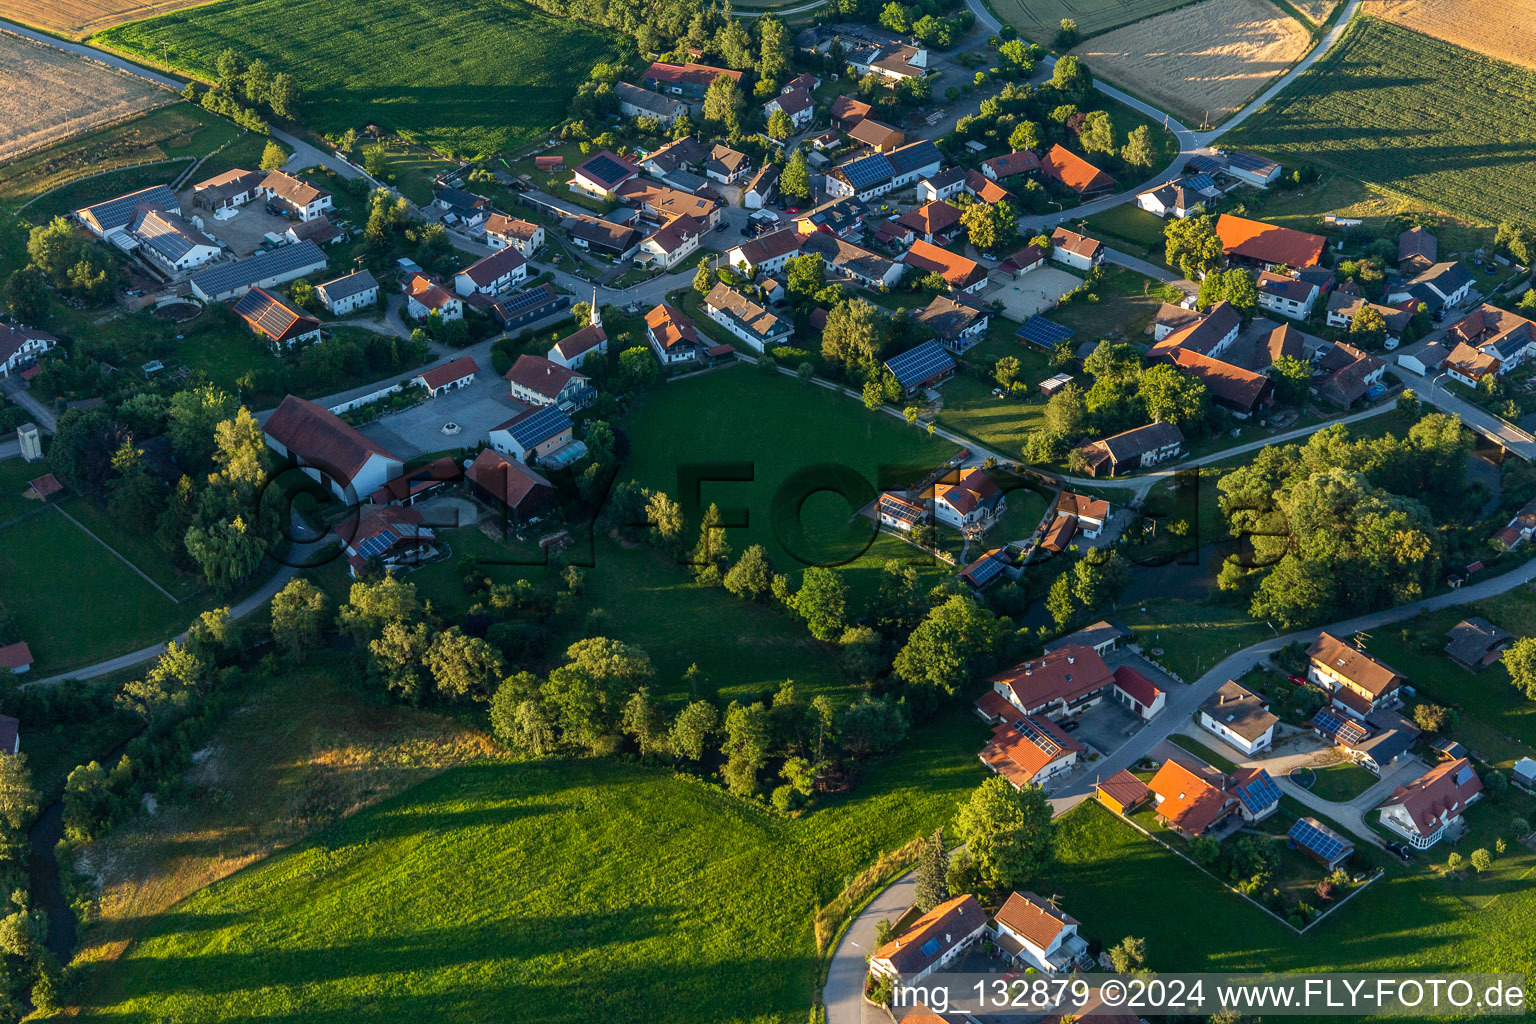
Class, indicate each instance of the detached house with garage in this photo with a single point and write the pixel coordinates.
(330, 450)
(961, 275)
(502, 232)
(745, 319)
(1240, 717)
(796, 103)
(1062, 682)
(958, 322)
(494, 275)
(1030, 750)
(424, 296)
(297, 198)
(533, 434)
(1037, 935)
(601, 174)
(932, 943)
(672, 335)
(1431, 807)
(971, 500)
(726, 165)
(1358, 682)
(536, 381)
(270, 316)
(346, 295)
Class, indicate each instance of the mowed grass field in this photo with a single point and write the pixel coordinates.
(469, 79)
(1203, 61)
(1501, 30)
(47, 94)
(557, 891)
(1039, 19)
(1412, 115)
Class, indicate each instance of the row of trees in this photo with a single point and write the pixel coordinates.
(28, 971)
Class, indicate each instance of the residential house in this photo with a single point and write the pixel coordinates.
(1257, 795)
(688, 80)
(272, 317)
(1417, 250)
(985, 569)
(460, 206)
(797, 104)
(1103, 636)
(493, 275)
(761, 188)
(684, 154)
(848, 261)
(425, 296)
(881, 138)
(228, 191)
(934, 222)
(171, 243)
(942, 185)
(1130, 450)
(1017, 264)
(961, 275)
(868, 177)
(230, 280)
(536, 381)
(987, 190)
(1240, 391)
(1209, 335)
(841, 217)
(20, 347)
(673, 336)
(1358, 682)
(16, 659)
(1074, 250)
(1091, 513)
(345, 295)
(661, 203)
(896, 63)
(503, 232)
(1030, 750)
(507, 484)
(1374, 742)
(1475, 643)
(601, 174)
(450, 376)
(1240, 717)
(391, 535)
(726, 165)
(1191, 798)
(297, 198)
(932, 943)
(1077, 174)
(1350, 374)
(671, 243)
(923, 366)
(745, 319)
(1122, 792)
(1506, 339)
(970, 499)
(320, 230)
(1347, 301)
(1061, 682)
(1141, 695)
(109, 219)
(766, 254)
(1010, 165)
(637, 102)
(899, 513)
(533, 433)
(958, 323)
(330, 450)
(1436, 287)
(1518, 530)
(1254, 244)
(1173, 199)
(1432, 806)
(1286, 295)
(1036, 935)
(591, 341)
(604, 237)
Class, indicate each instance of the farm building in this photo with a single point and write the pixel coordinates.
(923, 366)
(111, 217)
(511, 486)
(1260, 246)
(260, 270)
(274, 318)
(460, 373)
(330, 450)
(1069, 169)
(1133, 449)
(536, 432)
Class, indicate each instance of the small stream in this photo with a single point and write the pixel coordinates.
(43, 877)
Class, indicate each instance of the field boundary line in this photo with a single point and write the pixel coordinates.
(99, 174)
(115, 122)
(119, 555)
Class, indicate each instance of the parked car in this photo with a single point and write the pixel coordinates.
(1298, 680)
(1070, 725)
(1403, 853)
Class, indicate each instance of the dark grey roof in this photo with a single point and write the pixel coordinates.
(116, 213)
(645, 99)
(166, 233)
(1140, 440)
(1100, 632)
(1445, 277)
(1391, 734)
(1472, 638)
(346, 287)
(224, 277)
(914, 155)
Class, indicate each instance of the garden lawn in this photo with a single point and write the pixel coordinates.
(470, 79)
(1125, 305)
(136, 544)
(1203, 752)
(15, 479)
(51, 571)
(1341, 782)
(999, 424)
(575, 890)
(1128, 223)
(1193, 636)
(1360, 110)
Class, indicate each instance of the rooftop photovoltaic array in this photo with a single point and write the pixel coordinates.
(1037, 736)
(1311, 834)
(869, 170)
(378, 543)
(526, 300)
(1464, 775)
(605, 168)
(918, 364)
(541, 426)
(1259, 793)
(223, 277)
(1043, 332)
(985, 570)
(1343, 728)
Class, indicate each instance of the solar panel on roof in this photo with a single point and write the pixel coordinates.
(1259, 793)
(1464, 775)
(1346, 730)
(378, 544)
(1199, 183)
(931, 947)
(867, 171)
(1043, 332)
(919, 364)
(605, 168)
(1037, 736)
(526, 300)
(1323, 841)
(986, 572)
(541, 426)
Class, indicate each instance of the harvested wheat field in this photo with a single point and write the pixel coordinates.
(47, 95)
(1209, 57)
(79, 18)
(1501, 30)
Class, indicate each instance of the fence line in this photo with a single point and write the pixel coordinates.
(97, 174)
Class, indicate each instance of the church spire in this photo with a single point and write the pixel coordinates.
(597, 318)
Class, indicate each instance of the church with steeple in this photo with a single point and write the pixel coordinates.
(570, 352)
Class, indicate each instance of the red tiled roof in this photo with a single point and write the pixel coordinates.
(972, 489)
(498, 264)
(510, 227)
(1073, 171)
(429, 293)
(1082, 506)
(1060, 533)
(985, 189)
(958, 271)
(14, 656)
(1437, 792)
(1124, 789)
(508, 481)
(541, 376)
(1190, 801)
(1073, 242)
(584, 340)
(1349, 662)
(46, 486)
(693, 74)
(1018, 756)
(671, 326)
(1267, 243)
(995, 705)
(930, 218)
(956, 918)
(846, 108)
(439, 376)
(1026, 914)
(321, 438)
(1226, 382)
(1137, 686)
(1020, 162)
(1066, 673)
